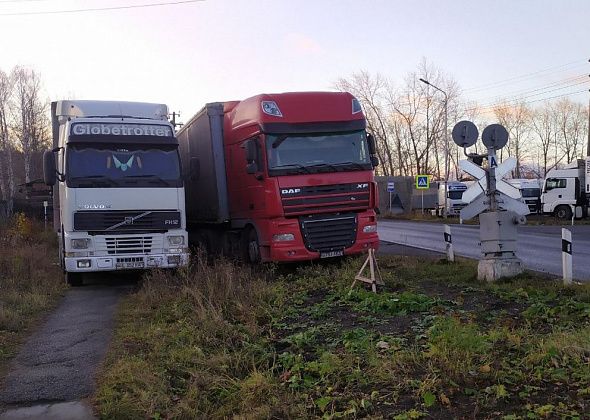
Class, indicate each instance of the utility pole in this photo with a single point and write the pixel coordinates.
(446, 103)
(173, 121)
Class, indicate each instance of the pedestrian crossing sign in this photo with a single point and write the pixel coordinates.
(422, 182)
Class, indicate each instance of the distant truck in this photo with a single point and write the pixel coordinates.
(530, 191)
(118, 192)
(455, 203)
(281, 177)
(566, 192)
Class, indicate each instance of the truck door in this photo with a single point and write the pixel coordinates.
(554, 193)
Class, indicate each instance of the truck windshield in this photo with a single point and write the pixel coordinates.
(93, 166)
(312, 153)
(455, 195)
(531, 192)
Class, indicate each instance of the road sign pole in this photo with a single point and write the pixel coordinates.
(422, 194)
(390, 201)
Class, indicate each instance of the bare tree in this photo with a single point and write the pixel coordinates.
(30, 121)
(6, 147)
(543, 125)
(516, 119)
(369, 90)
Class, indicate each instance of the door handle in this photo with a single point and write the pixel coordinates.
(559, 196)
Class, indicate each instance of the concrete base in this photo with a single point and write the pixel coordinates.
(495, 269)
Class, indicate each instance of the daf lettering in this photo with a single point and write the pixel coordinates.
(291, 191)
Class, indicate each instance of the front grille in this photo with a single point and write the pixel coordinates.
(126, 220)
(322, 198)
(328, 232)
(128, 245)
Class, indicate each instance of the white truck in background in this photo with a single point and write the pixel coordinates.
(118, 194)
(455, 203)
(566, 192)
(530, 191)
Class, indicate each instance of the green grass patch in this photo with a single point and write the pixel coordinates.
(281, 342)
(30, 281)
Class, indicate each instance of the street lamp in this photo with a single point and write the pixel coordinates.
(446, 141)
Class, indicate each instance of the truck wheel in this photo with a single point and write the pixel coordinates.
(74, 279)
(251, 246)
(563, 212)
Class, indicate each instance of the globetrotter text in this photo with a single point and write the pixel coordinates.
(81, 129)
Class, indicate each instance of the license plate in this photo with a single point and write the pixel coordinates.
(331, 254)
(130, 265)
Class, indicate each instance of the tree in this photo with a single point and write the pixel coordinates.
(543, 124)
(30, 122)
(517, 121)
(6, 147)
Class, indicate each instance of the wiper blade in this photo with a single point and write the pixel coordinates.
(151, 177)
(353, 164)
(292, 166)
(93, 179)
(324, 165)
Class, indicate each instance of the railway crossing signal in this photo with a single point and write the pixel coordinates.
(493, 199)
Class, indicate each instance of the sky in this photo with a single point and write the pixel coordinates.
(186, 55)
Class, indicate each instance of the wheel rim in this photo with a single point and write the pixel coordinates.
(253, 250)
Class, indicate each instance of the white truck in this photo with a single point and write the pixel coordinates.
(530, 191)
(566, 192)
(118, 194)
(454, 200)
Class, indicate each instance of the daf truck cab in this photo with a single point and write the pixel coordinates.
(282, 177)
(117, 187)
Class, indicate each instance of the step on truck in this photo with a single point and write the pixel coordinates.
(566, 192)
(281, 177)
(118, 193)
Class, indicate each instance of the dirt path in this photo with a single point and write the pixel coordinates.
(58, 362)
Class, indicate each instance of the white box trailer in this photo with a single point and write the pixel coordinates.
(118, 192)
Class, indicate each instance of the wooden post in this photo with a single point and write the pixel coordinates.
(374, 280)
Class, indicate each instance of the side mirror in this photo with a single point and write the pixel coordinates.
(371, 143)
(372, 150)
(195, 169)
(251, 151)
(49, 171)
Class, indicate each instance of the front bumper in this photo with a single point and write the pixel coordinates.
(125, 262)
(296, 250)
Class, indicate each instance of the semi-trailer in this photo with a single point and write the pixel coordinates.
(118, 193)
(281, 177)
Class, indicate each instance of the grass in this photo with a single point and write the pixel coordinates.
(295, 342)
(30, 281)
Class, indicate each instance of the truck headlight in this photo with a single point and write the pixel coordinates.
(176, 240)
(370, 229)
(80, 243)
(283, 237)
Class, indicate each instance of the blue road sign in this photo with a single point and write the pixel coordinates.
(390, 186)
(422, 182)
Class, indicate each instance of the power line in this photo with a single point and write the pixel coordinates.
(100, 9)
(566, 84)
(511, 80)
(518, 93)
(501, 106)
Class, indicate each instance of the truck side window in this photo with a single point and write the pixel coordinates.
(555, 183)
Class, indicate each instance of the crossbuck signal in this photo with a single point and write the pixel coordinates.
(493, 199)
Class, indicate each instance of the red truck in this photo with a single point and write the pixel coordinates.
(281, 177)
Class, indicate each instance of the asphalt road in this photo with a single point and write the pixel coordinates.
(539, 247)
(59, 361)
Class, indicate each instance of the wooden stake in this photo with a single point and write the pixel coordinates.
(373, 269)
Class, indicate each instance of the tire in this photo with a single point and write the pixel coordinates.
(563, 212)
(251, 246)
(74, 279)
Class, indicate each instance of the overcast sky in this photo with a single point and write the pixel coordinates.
(214, 50)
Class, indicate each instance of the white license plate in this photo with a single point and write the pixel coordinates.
(130, 265)
(331, 254)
